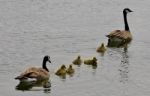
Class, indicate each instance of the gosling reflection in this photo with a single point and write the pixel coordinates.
(124, 67)
(29, 85)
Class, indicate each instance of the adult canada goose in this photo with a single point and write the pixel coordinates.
(77, 61)
(120, 37)
(101, 49)
(37, 73)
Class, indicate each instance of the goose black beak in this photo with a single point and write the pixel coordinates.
(131, 11)
(49, 61)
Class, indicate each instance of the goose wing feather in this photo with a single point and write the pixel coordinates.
(120, 34)
(34, 72)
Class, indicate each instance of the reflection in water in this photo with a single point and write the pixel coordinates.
(94, 72)
(29, 85)
(63, 77)
(94, 66)
(124, 67)
(71, 75)
(102, 54)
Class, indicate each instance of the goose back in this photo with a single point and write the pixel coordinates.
(122, 34)
(33, 72)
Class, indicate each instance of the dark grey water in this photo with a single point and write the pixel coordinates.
(63, 29)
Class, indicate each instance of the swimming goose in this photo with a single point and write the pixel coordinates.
(37, 73)
(77, 61)
(120, 37)
(101, 49)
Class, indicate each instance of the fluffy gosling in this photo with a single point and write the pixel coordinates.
(101, 49)
(77, 61)
(61, 71)
(91, 61)
(70, 70)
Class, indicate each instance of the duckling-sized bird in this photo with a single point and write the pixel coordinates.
(77, 61)
(70, 70)
(118, 38)
(61, 71)
(91, 61)
(36, 73)
(101, 49)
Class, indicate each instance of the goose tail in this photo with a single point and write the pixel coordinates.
(20, 77)
(107, 36)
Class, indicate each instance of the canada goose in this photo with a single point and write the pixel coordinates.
(70, 70)
(101, 49)
(91, 61)
(37, 73)
(120, 37)
(77, 61)
(61, 71)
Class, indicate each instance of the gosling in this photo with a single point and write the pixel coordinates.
(70, 70)
(61, 71)
(91, 61)
(101, 49)
(77, 61)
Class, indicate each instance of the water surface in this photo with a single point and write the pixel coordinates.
(63, 29)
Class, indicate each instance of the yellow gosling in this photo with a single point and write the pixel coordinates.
(101, 49)
(77, 61)
(70, 70)
(91, 61)
(61, 71)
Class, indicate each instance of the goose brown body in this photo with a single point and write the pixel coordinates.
(120, 34)
(37, 73)
(33, 72)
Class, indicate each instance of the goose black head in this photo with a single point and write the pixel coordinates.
(47, 58)
(127, 10)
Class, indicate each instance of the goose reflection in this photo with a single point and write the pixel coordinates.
(27, 85)
(124, 66)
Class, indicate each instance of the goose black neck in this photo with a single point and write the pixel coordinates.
(44, 65)
(126, 22)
